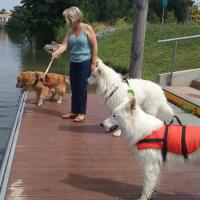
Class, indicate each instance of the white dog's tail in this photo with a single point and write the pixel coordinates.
(166, 110)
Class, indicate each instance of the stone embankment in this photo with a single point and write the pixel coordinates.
(54, 45)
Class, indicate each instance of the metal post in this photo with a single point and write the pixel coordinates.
(175, 41)
(163, 15)
(173, 61)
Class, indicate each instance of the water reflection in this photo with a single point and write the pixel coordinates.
(10, 65)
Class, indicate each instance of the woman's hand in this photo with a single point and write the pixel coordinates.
(55, 54)
(62, 47)
(93, 66)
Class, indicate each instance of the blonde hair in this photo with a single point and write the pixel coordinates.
(73, 15)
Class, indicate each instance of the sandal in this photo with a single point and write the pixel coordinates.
(70, 115)
(79, 118)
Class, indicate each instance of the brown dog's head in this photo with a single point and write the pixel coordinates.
(24, 79)
(19, 83)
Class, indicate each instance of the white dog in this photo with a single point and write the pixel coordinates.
(114, 90)
(136, 125)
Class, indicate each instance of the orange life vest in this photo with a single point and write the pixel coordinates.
(173, 138)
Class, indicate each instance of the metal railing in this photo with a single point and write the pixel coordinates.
(175, 41)
(9, 154)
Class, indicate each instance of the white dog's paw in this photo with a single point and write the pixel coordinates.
(117, 133)
(59, 101)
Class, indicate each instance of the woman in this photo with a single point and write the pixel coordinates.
(82, 45)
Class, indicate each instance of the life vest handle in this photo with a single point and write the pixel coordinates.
(177, 119)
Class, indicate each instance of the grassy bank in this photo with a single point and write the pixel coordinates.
(115, 49)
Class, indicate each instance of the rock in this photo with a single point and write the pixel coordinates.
(51, 47)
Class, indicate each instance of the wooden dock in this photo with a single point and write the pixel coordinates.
(57, 159)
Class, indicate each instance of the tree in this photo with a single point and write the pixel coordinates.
(40, 20)
(138, 38)
(16, 22)
(179, 7)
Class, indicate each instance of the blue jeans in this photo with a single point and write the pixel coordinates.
(79, 73)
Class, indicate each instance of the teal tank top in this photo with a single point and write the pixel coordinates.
(79, 47)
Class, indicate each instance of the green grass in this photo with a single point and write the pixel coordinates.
(189, 108)
(115, 49)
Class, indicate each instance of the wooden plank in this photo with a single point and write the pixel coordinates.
(182, 96)
(58, 159)
(195, 84)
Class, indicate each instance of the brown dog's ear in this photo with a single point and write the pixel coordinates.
(23, 77)
(19, 77)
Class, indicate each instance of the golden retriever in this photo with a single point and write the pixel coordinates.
(37, 81)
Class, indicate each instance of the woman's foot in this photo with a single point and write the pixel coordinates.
(70, 115)
(79, 118)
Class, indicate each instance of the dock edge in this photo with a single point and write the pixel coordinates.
(9, 154)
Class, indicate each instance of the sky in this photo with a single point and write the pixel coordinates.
(196, 1)
(9, 4)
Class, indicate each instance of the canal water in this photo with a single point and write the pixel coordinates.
(14, 58)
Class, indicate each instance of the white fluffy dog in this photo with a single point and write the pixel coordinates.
(136, 124)
(114, 90)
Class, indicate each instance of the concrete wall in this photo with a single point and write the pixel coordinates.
(179, 78)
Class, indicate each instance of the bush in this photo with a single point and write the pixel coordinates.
(195, 15)
(170, 18)
(60, 33)
(153, 18)
(100, 26)
(121, 22)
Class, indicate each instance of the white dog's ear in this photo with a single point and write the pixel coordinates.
(98, 61)
(131, 104)
(100, 71)
(100, 68)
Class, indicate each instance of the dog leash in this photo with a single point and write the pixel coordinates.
(46, 78)
(49, 66)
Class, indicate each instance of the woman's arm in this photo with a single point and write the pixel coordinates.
(61, 48)
(93, 42)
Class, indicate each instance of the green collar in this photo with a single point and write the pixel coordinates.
(130, 92)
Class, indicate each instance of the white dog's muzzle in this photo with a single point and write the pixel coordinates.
(109, 124)
(92, 80)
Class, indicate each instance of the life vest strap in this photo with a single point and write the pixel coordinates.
(164, 148)
(183, 143)
(150, 140)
